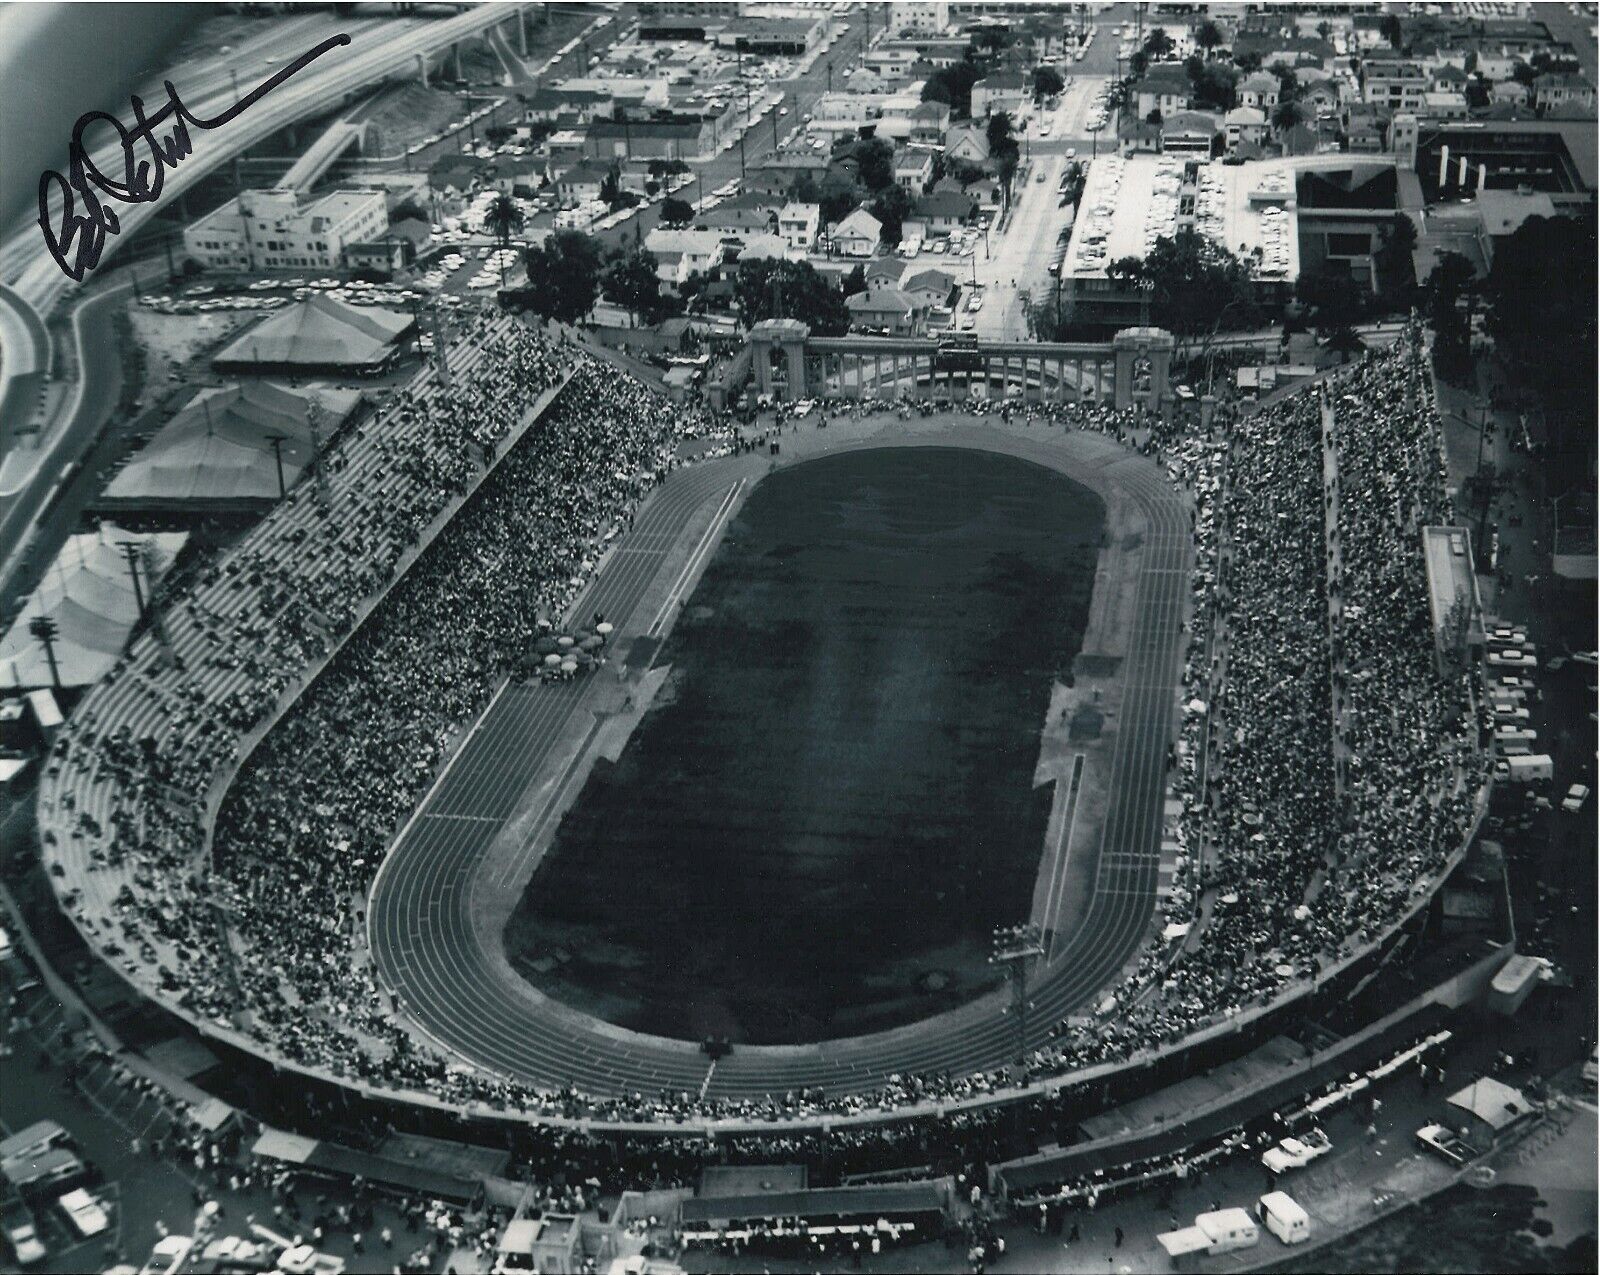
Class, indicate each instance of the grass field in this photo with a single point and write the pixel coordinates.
(829, 807)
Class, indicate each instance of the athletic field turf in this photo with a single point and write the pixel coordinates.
(829, 807)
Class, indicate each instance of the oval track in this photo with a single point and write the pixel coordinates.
(429, 952)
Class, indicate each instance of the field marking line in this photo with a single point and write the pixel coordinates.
(701, 549)
(1058, 873)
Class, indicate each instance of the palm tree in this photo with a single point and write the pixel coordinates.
(46, 630)
(503, 219)
(1285, 115)
(1344, 341)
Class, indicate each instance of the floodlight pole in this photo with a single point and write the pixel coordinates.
(1014, 947)
(130, 551)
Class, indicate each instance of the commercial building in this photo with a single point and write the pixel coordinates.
(1130, 202)
(261, 230)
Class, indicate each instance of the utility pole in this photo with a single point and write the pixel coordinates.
(830, 76)
(1014, 947)
(130, 552)
(741, 155)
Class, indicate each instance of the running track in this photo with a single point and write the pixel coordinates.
(429, 952)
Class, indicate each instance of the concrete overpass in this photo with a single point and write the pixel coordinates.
(337, 138)
(376, 51)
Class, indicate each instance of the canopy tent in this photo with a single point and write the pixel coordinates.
(225, 445)
(88, 593)
(318, 333)
(1497, 1104)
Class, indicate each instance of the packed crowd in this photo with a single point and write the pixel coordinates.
(1298, 870)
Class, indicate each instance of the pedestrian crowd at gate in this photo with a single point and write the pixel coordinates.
(259, 927)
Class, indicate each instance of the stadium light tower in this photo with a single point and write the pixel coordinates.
(1015, 947)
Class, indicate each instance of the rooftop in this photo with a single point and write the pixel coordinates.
(1130, 202)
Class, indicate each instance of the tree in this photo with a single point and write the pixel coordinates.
(1477, 94)
(676, 212)
(890, 208)
(1539, 302)
(875, 163)
(1523, 74)
(952, 85)
(767, 288)
(1211, 84)
(1158, 44)
(629, 280)
(503, 219)
(1451, 282)
(409, 209)
(1332, 294)
(1192, 281)
(563, 275)
(1138, 64)
(1248, 61)
(611, 185)
(1285, 115)
(855, 281)
(1006, 170)
(1208, 35)
(998, 131)
(1344, 341)
(1396, 242)
(1390, 28)
(991, 39)
(1047, 82)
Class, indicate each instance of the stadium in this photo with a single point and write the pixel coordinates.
(813, 829)
(208, 845)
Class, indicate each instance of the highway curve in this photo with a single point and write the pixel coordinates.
(430, 953)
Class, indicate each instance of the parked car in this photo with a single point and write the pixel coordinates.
(1296, 1153)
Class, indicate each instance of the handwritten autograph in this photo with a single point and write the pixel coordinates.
(77, 239)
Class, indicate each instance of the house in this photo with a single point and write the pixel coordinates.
(929, 122)
(967, 143)
(1161, 90)
(1139, 137)
(1319, 98)
(454, 175)
(1188, 133)
(1398, 83)
(887, 310)
(797, 223)
(738, 221)
(510, 174)
(681, 253)
(1512, 92)
(928, 288)
(1259, 91)
(885, 272)
(580, 184)
(1002, 91)
(937, 215)
(1564, 91)
(1444, 106)
(1244, 126)
(913, 170)
(857, 235)
(1447, 77)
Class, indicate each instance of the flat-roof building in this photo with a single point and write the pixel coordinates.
(1129, 202)
(278, 230)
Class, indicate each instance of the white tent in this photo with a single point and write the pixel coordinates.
(88, 592)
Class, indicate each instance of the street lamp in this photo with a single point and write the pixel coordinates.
(1014, 947)
(277, 441)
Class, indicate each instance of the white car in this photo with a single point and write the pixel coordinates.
(1296, 1153)
(88, 1218)
(1576, 796)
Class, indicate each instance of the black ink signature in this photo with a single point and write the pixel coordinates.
(80, 239)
